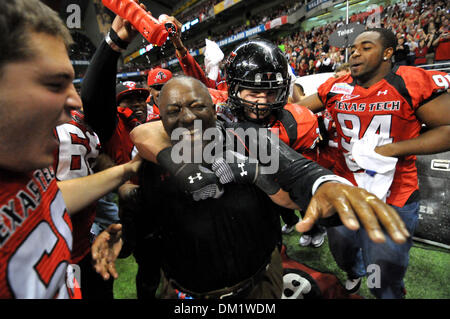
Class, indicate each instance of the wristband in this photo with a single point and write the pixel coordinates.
(117, 40)
(111, 43)
(329, 178)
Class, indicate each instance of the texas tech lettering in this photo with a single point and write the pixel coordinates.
(23, 203)
(371, 107)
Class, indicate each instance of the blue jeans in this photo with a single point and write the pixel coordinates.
(107, 213)
(354, 252)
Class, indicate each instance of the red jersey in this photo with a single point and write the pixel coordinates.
(442, 51)
(78, 149)
(119, 146)
(35, 236)
(297, 125)
(327, 153)
(386, 108)
(152, 110)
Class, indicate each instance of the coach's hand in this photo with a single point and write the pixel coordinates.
(353, 204)
(105, 250)
(191, 178)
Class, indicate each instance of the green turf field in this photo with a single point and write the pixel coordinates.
(428, 275)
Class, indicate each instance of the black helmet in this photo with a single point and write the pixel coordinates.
(257, 65)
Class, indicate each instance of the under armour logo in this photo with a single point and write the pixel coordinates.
(191, 179)
(241, 166)
(382, 92)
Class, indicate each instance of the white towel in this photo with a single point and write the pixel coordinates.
(379, 169)
(213, 56)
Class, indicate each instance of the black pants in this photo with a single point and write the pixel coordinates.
(148, 275)
(93, 286)
(289, 217)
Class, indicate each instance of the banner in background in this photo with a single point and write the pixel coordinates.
(224, 5)
(315, 3)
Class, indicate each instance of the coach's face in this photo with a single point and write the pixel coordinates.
(36, 95)
(183, 102)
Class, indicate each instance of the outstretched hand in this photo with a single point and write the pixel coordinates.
(105, 250)
(353, 204)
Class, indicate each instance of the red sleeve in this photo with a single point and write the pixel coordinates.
(192, 68)
(218, 96)
(422, 84)
(307, 128)
(325, 88)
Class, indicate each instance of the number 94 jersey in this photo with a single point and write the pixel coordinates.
(386, 108)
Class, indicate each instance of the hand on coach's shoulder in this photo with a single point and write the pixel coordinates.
(354, 206)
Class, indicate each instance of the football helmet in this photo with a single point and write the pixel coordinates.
(257, 65)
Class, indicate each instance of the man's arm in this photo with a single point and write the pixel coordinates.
(149, 139)
(313, 103)
(325, 194)
(81, 192)
(436, 116)
(98, 89)
(312, 188)
(187, 62)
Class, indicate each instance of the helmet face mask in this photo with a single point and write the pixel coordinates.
(257, 65)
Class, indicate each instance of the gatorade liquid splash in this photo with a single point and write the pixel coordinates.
(154, 31)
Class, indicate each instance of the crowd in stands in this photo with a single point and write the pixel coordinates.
(284, 8)
(421, 27)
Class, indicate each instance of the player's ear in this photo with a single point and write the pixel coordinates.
(387, 54)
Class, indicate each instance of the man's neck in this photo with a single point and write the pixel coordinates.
(382, 71)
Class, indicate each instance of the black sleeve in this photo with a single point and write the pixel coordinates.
(98, 92)
(295, 173)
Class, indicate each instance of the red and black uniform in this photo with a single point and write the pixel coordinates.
(327, 149)
(78, 149)
(152, 110)
(386, 108)
(35, 236)
(295, 125)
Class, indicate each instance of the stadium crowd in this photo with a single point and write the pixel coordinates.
(421, 27)
(217, 233)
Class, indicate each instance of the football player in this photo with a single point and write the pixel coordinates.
(385, 104)
(36, 232)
